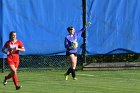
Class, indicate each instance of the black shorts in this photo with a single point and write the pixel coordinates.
(68, 54)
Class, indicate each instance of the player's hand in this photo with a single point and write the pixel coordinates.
(73, 47)
(7, 53)
(17, 48)
(12, 50)
(88, 24)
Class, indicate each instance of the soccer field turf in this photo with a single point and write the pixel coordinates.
(123, 81)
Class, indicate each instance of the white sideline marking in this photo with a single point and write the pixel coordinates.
(85, 75)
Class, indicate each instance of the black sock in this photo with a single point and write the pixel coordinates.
(69, 71)
(73, 73)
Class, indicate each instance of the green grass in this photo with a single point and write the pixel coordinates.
(123, 81)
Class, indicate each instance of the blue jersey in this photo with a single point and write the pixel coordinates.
(70, 39)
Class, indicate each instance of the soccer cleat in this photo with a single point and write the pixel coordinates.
(5, 81)
(66, 76)
(74, 78)
(18, 87)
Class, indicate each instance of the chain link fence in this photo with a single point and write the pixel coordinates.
(43, 63)
(61, 62)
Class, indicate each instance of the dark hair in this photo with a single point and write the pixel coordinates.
(70, 28)
(11, 34)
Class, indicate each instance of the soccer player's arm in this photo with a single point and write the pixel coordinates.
(20, 47)
(4, 47)
(81, 31)
(67, 45)
(84, 28)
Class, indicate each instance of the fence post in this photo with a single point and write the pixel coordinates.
(3, 65)
(84, 33)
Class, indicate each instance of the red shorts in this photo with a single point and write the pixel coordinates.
(16, 64)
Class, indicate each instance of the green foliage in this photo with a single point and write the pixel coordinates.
(114, 58)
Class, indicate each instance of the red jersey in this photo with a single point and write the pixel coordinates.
(14, 54)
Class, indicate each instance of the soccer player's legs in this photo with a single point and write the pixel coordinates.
(15, 78)
(10, 64)
(70, 69)
(16, 65)
(10, 75)
(73, 59)
(13, 68)
(67, 73)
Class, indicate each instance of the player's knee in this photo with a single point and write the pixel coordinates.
(73, 67)
(13, 72)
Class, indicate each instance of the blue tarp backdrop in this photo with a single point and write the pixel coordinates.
(42, 25)
(115, 26)
(0, 28)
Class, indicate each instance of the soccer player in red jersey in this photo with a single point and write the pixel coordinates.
(11, 49)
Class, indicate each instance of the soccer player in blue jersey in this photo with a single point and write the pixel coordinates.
(71, 45)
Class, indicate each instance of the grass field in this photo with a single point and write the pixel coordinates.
(123, 81)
